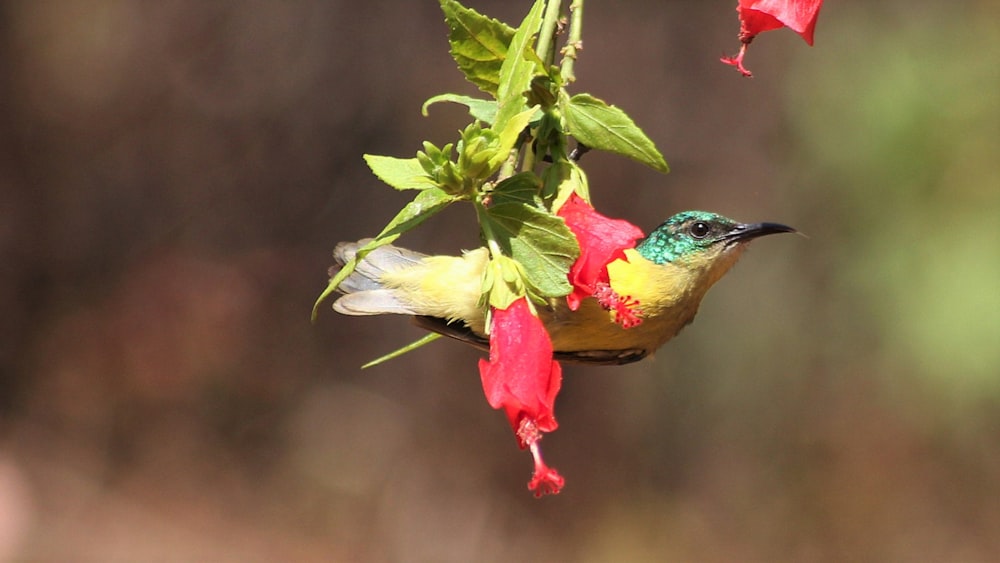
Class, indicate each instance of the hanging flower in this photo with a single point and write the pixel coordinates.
(758, 16)
(522, 378)
(602, 240)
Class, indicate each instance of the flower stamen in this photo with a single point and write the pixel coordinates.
(626, 309)
(545, 480)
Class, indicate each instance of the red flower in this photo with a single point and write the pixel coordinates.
(602, 241)
(758, 16)
(522, 378)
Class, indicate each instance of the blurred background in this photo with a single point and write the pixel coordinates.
(174, 176)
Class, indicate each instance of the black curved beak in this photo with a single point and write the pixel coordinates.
(745, 232)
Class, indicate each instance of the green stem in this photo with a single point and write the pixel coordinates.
(491, 239)
(528, 163)
(546, 36)
(573, 42)
(507, 168)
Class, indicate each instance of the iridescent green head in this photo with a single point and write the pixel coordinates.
(693, 235)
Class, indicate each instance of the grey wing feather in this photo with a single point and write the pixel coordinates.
(364, 294)
(371, 302)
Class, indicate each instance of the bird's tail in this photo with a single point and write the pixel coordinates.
(364, 291)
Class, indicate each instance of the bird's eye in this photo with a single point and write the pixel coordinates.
(700, 229)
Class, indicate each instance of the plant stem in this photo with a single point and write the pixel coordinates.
(546, 35)
(573, 42)
(491, 239)
(528, 161)
(507, 168)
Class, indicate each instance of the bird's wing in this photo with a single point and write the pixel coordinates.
(459, 331)
(456, 329)
(602, 357)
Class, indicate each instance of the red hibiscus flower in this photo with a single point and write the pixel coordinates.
(758, 16)
(522, 378)
(602, 240)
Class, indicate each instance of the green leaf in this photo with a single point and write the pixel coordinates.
(600, 126)
(426, 339)
(427, 203)
(478, 44)
(510, 133)
(503, 283)
(483, 110)
(563, 179)
(519, 188)
(539, 241)
(518, 67)
(400, 173)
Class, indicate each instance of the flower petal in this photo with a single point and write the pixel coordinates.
(521, 377)
(758, 16)
(602, 240)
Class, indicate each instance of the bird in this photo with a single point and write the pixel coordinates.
(666, 275)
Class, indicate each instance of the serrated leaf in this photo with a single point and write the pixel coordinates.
(509, 134)
(563, 179)
(427, 203)
(518, 67)
(483, 110)
(539, 241)
(600, 126)
(400, 173)
(519, 188)
(478, 44)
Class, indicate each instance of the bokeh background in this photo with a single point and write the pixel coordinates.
(174, 175)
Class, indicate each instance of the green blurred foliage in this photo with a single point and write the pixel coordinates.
(908, 138)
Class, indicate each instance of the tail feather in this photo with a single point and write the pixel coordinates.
(372, 302)
(363, 290)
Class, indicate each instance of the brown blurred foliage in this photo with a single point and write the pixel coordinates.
(175, 174)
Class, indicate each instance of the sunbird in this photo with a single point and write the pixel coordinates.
(667, 274)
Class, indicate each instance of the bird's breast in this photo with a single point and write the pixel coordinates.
(667, 300)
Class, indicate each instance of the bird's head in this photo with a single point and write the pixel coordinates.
(703, 243)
